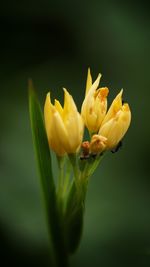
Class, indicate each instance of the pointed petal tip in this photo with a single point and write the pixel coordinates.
(119, 96)
(48, 95)
(97, 81)
(88, 81)
(89, 70)
(89, 76)
(55, 101)
(66, 93)
(65, 90)
(98, 78)
(126, 107)
(48, 98)
(121, 91)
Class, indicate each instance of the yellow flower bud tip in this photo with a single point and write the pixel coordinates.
(69, 104)
(97, 144)
(117, 103)
(102, 93)
(88, 81)
(125, 107)
(97, 81)
(94, 86)
(58, 107)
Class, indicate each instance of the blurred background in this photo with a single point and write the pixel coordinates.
(54, 42)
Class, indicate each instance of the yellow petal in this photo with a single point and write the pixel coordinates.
(116, 127)
(88, 81)
(114, 108)
(58, 136)
(59, 107)
(52, 135)
(47, 113)
(69, 104)
(89, 100)
(94, 85)
(73, 124)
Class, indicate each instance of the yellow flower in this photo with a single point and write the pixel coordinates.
(94, 106)
(116, 122)
(64, 125)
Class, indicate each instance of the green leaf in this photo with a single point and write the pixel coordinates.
(46, 178)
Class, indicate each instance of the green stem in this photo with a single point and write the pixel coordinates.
(55, 225)
(75, 167)
(67, 177)
(61, 162)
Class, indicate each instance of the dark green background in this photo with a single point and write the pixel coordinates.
(54, 43)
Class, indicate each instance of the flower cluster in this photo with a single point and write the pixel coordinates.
(77, 158)
(65, 125)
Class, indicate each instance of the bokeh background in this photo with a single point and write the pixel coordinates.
(54, 42)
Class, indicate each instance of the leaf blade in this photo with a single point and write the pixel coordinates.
(43, 158)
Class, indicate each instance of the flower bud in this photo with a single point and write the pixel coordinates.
(116, 122)
(64, 125)
(94, 106)
(97, 144)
